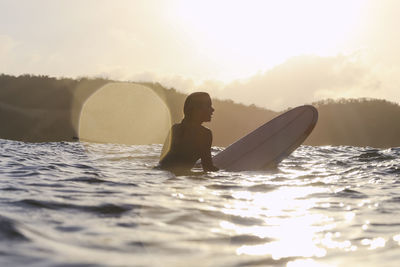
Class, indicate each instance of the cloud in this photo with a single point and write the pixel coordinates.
(305, 79)
(298, 81)
(7, 44)
(181, 83)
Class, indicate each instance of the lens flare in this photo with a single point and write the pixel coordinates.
(124, 113)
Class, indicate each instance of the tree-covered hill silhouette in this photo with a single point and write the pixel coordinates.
(44, 109)
(357, 122)
(41, 108)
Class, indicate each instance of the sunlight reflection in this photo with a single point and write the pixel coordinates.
(375, 243)
(288, 221)
(363, 202)
(364, 227)
(276, 203)
(280, 249)
(178, 195)
(349, 216)
(293, 173)
(329, 243)
(397, 238)
(291, 240)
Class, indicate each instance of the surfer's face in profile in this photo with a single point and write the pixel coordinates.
(206, 110)
(198, 107)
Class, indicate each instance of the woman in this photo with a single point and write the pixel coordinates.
(189, 141)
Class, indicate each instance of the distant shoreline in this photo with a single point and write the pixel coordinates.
(45, 109)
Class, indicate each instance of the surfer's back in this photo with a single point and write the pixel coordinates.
(187, 144)
(189, 141)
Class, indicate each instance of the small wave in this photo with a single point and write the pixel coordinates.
(69, 229)
(89, 180)
(279, 179)
(393, 170)
(51, 185)
(9, 230)
(350, 170)
(386, 224)
(393, 200)
(266, 262)
(129, 225)
(350, 193)
(12, 188)
(249, 239)
(93, 180)
(341, 163)
(184, 219)
(261, 188)
(110, 209)
(395, 150)
(319, 183)
(373, 155)
(23, 173)
(247, 221)
(237, 240)
(105, 209)
(142, 245)
(225, 196)
(224, 186)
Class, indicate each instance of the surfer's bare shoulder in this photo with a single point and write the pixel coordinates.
(205, 131)
(176, 128)
(206, 136)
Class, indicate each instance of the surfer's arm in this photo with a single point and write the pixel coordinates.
(206, 160)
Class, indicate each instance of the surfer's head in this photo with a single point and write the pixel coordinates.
(198, 107)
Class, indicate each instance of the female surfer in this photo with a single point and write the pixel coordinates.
(189, 141)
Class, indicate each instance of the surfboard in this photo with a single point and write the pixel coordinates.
(269, 144)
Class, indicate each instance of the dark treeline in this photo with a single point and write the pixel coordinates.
(46, 109)
(357, 122)
(42, 108)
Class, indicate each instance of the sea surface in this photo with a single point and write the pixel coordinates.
(86, 204)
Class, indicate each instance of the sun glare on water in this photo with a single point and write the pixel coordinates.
(286, 201)
(292, 226)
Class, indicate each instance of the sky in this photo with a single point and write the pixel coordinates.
(274, 54)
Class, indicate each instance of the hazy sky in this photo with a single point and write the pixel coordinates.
(275, 54)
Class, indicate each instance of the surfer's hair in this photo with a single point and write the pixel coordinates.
(193, 102)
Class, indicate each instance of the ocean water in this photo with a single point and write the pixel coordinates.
(83, 204)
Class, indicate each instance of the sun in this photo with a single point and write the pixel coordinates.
(247, 36)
